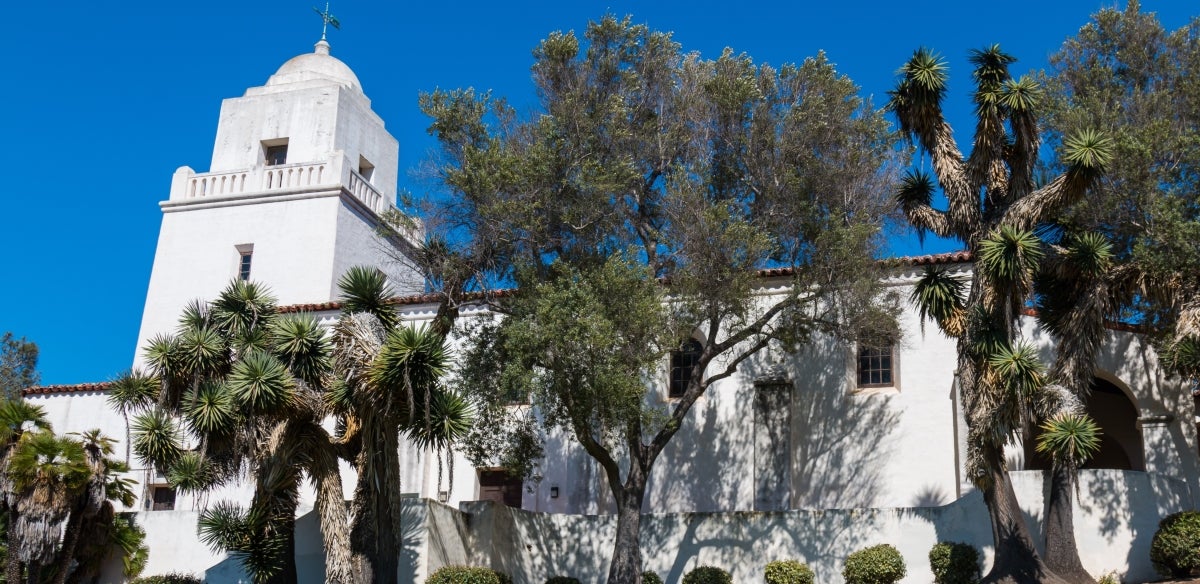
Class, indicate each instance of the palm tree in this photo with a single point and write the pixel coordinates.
(92, 509)
(388, 383)
(46, 474)
(243, 386)
(18, 419)
(993, 206)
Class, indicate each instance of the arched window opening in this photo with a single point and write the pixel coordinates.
(1120, 438)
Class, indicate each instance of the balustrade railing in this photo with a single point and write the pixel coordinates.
(287, 176)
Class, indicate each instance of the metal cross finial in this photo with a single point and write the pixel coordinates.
(327, 20)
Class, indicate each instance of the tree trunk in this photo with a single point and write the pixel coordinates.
(374, 537)
(1062, 553)
(12, 571)
(70, 543)
(287, 573)
(1016, 560)
(626, 566)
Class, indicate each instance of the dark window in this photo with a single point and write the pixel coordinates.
(163, 499)
(365, 168)
(501, 487)
(875, 366)
(244, 265)
(277, 155)
(682, 363)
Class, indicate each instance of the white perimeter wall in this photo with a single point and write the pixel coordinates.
(1114, 524)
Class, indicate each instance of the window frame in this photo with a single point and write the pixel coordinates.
(273, 146)
(855, 370)
(690, 347)
(245, 262)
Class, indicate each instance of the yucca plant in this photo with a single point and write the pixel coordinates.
(243, 387)
(994, 206)
(388, 382)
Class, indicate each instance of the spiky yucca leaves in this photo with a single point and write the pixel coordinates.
(212, 410)
(365, 289)
(300, 342)
(240, 310)
(411, 360)
(939, 296)
(133, 391)
(247, 534)
(260, 383)
(1070, 439)
(191, 473)
(157, 439)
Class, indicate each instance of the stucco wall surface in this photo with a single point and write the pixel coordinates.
(1114, 524)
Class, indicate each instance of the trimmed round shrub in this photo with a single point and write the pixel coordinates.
(562, 580)
(707, 575)
(788, 572)
(880, 564)
(466, 575)
(651, 577)
(172, 578)
(1175, 549)
(954, 563)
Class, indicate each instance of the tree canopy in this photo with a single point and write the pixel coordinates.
(18, 365)
(633, 211)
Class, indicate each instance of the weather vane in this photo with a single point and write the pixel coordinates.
(327, 20)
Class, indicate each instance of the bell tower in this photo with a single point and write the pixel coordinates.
(302, 173)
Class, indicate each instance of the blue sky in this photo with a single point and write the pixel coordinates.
(103, 101)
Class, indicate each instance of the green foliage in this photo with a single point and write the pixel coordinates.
(133, 391)
(1175, 549)
(633, 209)
(1069, 438)
(171, 578)
(880, 564)
(248, 535)
(651, 577)
(365, 289)
(466, 575)
(260, 383)
(707, 575)
(156, 438)
(954, 563)
(1110, 577)
(939, 296)
(18, 366)
(788, 572)
(562, 580)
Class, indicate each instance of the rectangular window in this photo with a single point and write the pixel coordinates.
(875, 366)
(683, 362)
(244, 266)
(162, 499)
(275, 151)
(499, 486)
(365, 168)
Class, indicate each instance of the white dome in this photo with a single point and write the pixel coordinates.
(318, 65)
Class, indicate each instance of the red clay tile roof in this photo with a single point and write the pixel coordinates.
(67, 388)
(923, 260)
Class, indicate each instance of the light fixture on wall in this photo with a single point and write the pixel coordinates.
(443, 496)
(554, 492)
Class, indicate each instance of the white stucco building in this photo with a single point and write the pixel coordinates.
(301, 172)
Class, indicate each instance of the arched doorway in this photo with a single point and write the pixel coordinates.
(1120, 438)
